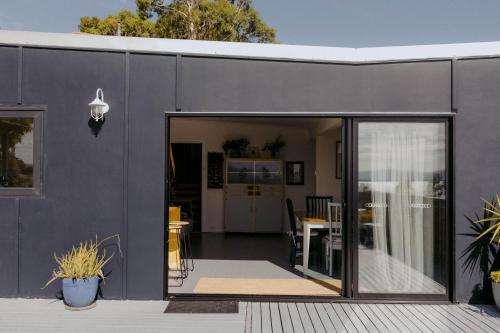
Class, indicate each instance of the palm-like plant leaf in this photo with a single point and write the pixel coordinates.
(479, 252)
(491, 215)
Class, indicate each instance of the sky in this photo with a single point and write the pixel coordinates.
(348, 23)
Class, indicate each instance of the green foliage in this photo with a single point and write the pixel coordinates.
(493, 209)
(221, 20)
(13, 170)
(83, 261)
(126, 22)
(495, 276)
(236, 147)
(274, 146)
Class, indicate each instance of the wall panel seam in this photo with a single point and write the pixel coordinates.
(178, 83)
(454, 85)
(20, 75)
(18, 220)
(125, 176)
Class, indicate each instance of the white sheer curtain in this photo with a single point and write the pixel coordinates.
(397, 165)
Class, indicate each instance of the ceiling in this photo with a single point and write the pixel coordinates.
(315, 126)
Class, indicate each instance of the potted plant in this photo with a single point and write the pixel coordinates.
(492, 221)
(235, 147)
(274, 146)
(495, 286)
(81, 271)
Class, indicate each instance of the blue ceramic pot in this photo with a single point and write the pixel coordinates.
(80, 292)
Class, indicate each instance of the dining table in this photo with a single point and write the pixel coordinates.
(309, 224)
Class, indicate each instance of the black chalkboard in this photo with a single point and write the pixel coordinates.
(215, 172)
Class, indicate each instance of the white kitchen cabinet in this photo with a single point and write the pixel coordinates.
(253, 195)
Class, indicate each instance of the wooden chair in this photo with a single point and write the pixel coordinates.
(317, 206)
(334, 232)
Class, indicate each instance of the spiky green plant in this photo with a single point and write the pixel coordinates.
(495, 276)
(83, 261)
(493, 210)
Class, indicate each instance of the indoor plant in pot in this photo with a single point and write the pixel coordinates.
(492, 229)
(274, 146)
(81, 270)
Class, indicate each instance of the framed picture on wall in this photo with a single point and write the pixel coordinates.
(338, 160)
(295, 173)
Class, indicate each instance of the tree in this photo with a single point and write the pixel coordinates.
(13, 170)
(222, 20)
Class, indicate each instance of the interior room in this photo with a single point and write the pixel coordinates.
(254, 206)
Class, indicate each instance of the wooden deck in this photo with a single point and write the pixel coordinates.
(350, 317)
(29, 315)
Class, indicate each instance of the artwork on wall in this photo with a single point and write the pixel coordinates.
(295, 173)
(215, 172)
(338, 160)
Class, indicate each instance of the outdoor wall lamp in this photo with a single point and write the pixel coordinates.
(98, 107)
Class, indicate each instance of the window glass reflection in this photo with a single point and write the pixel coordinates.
(402, 207)
(16, 152)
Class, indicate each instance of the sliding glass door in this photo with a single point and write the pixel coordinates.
(400, 207)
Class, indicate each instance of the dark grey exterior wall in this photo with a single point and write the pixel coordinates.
(152, 91)
(83, 174)
(215, 84)
(114, 183)
(477, 157)
(8, 206)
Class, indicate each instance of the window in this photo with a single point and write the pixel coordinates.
(20, 143)
(402, 202)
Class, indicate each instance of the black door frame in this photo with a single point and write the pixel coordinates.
(353, 209)
(348, 154)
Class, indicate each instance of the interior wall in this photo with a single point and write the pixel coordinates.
(326, 181)
(300, 146)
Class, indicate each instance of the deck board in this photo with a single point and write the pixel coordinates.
(410, 316)
(450, 322)
(29, 315)
(482, 324)
(400, 324)
(296, 321)
(265, 311)
(286, 321)
(431, 324)
(339, 324)
(275, 318)
(465, 324)
(360, 327)
(344, 318)
(325, 319)
(256, 318)
(367, 323)
(484, 312)
(375, 319)
(304, 317)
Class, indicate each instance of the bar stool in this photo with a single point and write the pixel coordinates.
(174, 253)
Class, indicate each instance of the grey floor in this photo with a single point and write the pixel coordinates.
(251, 256)
(382, 273)
(35, 315)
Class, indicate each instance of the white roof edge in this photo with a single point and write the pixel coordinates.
(251, 50)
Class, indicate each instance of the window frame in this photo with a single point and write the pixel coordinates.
(37, 114)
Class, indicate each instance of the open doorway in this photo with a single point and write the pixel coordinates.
(271, 193)
(186, 181)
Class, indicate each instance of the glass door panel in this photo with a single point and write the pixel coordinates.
(240, 171)
(401, 202)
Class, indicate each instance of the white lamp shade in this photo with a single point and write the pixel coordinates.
(98, 107)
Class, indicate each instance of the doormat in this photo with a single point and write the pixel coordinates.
(292, 287)
(202, 307)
